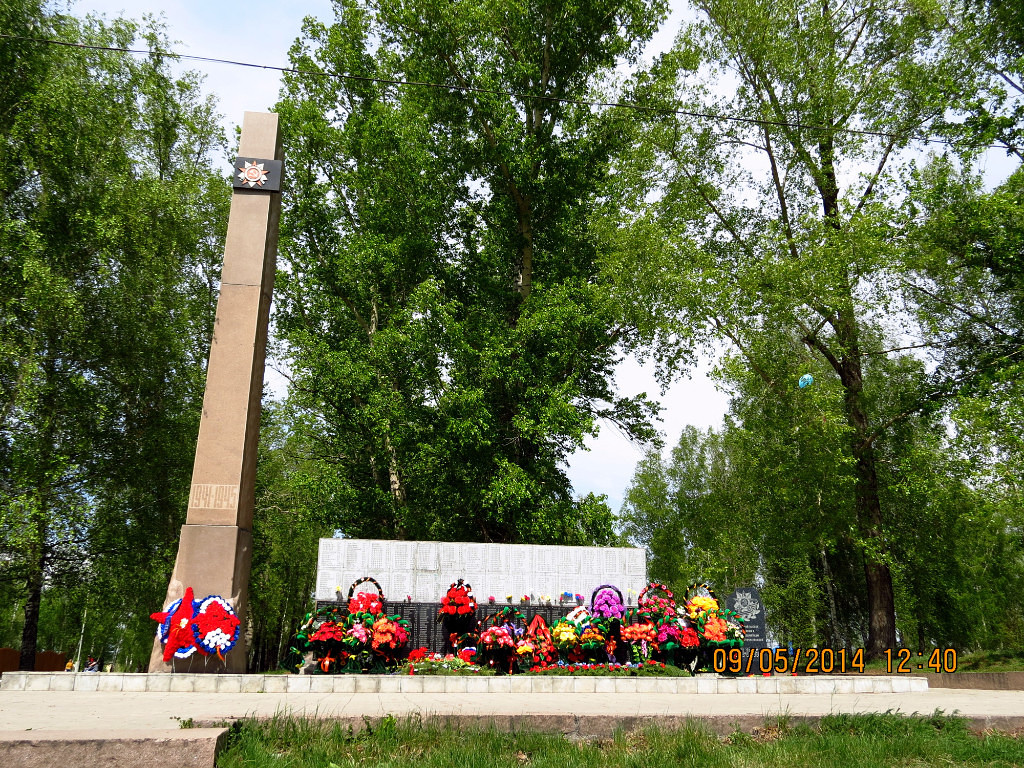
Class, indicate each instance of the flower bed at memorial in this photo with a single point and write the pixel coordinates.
(657, 637)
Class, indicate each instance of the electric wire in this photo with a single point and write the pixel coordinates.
(499, 92)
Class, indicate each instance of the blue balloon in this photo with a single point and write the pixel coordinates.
(806, 380)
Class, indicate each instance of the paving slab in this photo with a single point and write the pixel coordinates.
(112, 747)
(47, 711)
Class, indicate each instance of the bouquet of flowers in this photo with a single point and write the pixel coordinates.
(688, 637)
(592, 643)
(458, 600)
(721, 629)
(457, 614)
(366, 602)
(390, 634)
(496, 639)
(539, 636)
(700, 606)
(699, 601)
(565, 635)
(657, 599)
(329, 631)
(642, 638)
(606, 602)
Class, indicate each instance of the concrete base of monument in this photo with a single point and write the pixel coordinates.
(435, 684)
(188, 748)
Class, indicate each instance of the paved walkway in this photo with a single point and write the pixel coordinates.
(77, 710)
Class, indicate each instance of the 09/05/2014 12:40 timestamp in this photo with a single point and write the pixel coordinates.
(899, 661)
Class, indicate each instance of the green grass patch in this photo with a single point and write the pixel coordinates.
(851, 741)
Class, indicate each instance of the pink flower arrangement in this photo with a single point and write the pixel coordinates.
(608, 605)
(359, 634)
(495, 638)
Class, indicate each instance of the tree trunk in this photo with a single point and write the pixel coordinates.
(881, 601)
(30, 632)
(878, 577)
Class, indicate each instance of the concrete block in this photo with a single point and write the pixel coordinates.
(367, 684)
(582, 684)
(768, 684)
(157, 683)
(825, 685)
(806, 684)
(501, 684)
(40, 681)
(919, 684)
(321, 684)
(473, 684)
(862, 685)
(561, 684)
(229, 683)
(186, 748)
(728, 685)
(134, 683)
(344, 683)
(542, 683)
(666, 685)
(746, 685)
(686, 685)
(521, 684)
(66, 682)
(205, 683)
(881, 684)
(455, 683)
(604, 685)
(110, 682)
(87, 681)
(707, 684)
(901, 685)
(409, 683)
(787, 685)
(13, 681)
(844, 684)
(249, 683)
(277, 683)
(390, 684)
(645, 684)
(184, 683)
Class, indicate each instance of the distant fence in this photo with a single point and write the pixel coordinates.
(46, 661)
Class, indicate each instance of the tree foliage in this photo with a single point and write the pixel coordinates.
(450, 340)
(781, 225)
(110, 233)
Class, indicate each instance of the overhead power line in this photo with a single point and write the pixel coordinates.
(498, 92)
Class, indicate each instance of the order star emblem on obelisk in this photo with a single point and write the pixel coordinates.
(252, 174)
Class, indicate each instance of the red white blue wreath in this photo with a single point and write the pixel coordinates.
(188, 625)
(215, 625)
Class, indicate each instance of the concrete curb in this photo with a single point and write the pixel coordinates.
(182, 748)
(214, 683)
(586, 727)
(987, 681)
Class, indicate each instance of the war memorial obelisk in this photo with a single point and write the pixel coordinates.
(215, 551)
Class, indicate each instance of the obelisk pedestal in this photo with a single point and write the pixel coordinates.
(215, 551)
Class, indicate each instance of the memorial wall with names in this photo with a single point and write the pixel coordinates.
(423, 570)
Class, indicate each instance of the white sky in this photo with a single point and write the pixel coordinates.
(261, 31)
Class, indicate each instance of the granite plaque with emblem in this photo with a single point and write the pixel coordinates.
(747, 603)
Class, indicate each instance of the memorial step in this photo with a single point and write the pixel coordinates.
(434, 684)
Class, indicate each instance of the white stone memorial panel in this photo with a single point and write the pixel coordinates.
(424, 569)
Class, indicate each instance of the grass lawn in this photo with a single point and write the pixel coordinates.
(849, 741)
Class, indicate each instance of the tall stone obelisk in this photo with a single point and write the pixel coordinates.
(215, 551)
